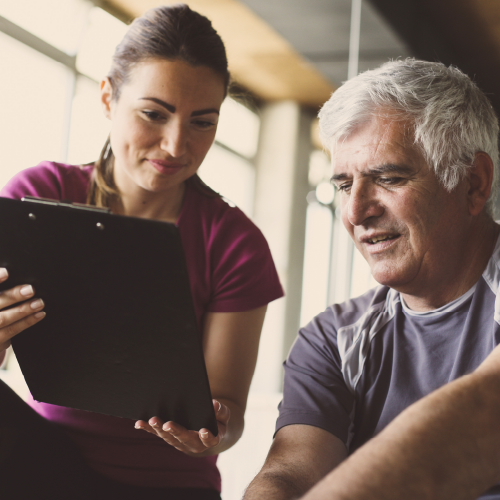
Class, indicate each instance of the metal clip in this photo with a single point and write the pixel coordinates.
(64, 203)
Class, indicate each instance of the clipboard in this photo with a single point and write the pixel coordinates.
(120, 336)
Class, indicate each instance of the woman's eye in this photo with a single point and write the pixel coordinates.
(152, 115)
(203, 124)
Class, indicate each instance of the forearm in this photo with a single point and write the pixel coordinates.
(300, 456)
(446, 446)
(277, 485)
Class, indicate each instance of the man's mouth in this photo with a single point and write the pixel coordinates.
(378, 239)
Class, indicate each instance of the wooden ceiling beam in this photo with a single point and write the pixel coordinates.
(259, 59)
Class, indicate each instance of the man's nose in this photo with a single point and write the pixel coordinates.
(174, 140)
(363, 203)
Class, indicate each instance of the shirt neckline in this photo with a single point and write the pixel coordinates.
(451, 306)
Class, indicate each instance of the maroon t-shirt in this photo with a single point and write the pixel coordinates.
(230, 270)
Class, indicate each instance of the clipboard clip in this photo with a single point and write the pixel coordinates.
(68, 204)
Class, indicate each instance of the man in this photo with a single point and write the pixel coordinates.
(404, 380)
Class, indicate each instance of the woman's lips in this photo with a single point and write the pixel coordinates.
(166, 167)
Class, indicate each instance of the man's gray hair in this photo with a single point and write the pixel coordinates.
(451, 118)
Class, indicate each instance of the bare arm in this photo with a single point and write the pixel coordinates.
(444, 447)
(300, 456)
(230, 346)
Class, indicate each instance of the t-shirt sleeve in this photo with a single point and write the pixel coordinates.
(41, 181)
(243, 272)
(314, 391)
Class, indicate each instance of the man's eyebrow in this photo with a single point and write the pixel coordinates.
(172, 109)
(390, 168)
(386, 168)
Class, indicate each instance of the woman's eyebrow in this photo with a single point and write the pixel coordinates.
(172, 108)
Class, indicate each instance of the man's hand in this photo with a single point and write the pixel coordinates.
(187, 441)
(299, 457)
(14, 320)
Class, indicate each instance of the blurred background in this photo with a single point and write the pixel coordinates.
(286, 57)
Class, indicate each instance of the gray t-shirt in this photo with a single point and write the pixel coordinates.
(359, 364)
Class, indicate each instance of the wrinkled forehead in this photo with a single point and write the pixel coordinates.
(381, 138)
(399, 123)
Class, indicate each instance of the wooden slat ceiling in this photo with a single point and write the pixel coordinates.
(259, 59)
(275, 67)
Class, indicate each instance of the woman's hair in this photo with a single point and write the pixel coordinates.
(449, 117)
(174, 33)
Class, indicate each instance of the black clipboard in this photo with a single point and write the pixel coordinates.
(120, 336)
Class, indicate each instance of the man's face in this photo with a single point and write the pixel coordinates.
(407, 226)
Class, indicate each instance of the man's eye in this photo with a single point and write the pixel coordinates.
(390, 180)
(343, 188)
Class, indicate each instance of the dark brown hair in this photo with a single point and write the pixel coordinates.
(175, 33)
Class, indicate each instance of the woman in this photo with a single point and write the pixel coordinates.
(163, 95)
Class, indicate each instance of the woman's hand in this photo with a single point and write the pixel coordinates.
(14, 320)
(230, 344)
(190, 442)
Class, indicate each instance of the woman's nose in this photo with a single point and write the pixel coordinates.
(362, 204)
(174, 140)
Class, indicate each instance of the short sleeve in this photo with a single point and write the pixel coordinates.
(243, 272)
(51, 180)
(314, 390)
(40, 181)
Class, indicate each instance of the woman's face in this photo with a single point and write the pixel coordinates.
(162, 124)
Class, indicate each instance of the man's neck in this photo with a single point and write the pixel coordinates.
(475, 259)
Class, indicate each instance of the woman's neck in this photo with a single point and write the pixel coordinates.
(138, 202)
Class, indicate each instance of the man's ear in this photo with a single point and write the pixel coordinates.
(106, 97)
(480, 177)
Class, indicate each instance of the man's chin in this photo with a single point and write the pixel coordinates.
(390, 278)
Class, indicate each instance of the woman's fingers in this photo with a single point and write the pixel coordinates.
(16, 294)
(184, 440)
(179, 437)
(208, 439)
(222, 412)
(188, 441)
(12, 320)
(4, 274)
(10, 330)
(16, 319)
(15, 314)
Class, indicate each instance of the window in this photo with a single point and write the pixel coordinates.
(33, 99)
(228, 167)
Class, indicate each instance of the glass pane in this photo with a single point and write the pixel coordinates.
(104, 32)
(58, 22)
(362, 279)
(230, 176)
(33, 109)
(89, 127)
(316, 261)
(341, 262)
(319, 168)
(238, 128)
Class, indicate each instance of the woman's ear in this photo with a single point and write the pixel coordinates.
(106, 97)
(480, 177)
